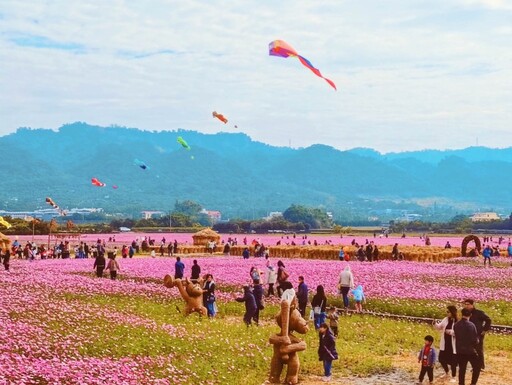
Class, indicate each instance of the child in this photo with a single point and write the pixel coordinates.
(427, 357)
(341, 254)
(332, 315)
(326, 350)
(113, 267)
(359, 298)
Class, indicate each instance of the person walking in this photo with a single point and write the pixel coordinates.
(271, 280)
(179, 268)
(99, 264)
(282, 276)
(345, 283)
(258, 292)
(196, 271)
(483, 325)
(447, 348)
(341, 254)
(209, 296)
(250, 305)
(359, 298)
(319, 303)
(113, 267)
(466, 342)
(487, 253)
(326, 350)
(302, 296)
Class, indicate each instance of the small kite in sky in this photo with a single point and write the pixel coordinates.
(51, 203)
(221, 117)
(5, 223)
(283, 49)
(55, 206)
(114, 187)
(97, 183)
(141, 164)
(183, 143)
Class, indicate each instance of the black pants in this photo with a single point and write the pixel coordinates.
(463, 363)
(480, 351)
(113, 274)
(344, 292)
(429, 370)
(302, 309)
(99, 271)
(256, 317)
(279, 291)
(448, 361)
(248, 316)
(270, 289)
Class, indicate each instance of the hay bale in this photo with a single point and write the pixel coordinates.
(201, 238)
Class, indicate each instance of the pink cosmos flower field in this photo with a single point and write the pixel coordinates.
(48, 333)
(268, 239)
(383, 279)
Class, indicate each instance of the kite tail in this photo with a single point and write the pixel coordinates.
(306, 63)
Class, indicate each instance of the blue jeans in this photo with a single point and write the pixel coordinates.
(319, 319)
(327, 368)
(210, 306)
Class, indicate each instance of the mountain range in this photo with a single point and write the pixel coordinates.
(240, 177)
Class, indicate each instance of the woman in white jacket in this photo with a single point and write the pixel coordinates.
(447, 350)
(345, 283)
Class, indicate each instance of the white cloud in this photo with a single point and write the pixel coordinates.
(407, 74)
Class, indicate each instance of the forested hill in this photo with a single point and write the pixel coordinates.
(232, 173)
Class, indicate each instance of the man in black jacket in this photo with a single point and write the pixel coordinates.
(466, 341)
(302, 296)
(483, 325)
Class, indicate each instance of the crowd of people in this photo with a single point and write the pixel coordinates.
(461, 342)
(461, 338)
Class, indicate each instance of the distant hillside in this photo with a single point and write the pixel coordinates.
(234, 174)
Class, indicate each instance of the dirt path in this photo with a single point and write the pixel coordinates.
(499, 372)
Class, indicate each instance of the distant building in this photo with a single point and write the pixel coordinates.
(409, 217)
(484, 217)
(215, 216)
(273, 214)
(151, 214)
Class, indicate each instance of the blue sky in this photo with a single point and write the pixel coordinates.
(410, 74)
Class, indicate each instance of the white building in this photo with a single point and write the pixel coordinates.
(151, 214)
(485, 217)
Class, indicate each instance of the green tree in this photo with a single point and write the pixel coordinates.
(461, 223)
(187, 207)
(181, 220)
(314, 218)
